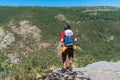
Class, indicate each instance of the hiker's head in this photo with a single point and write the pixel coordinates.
(67, 27)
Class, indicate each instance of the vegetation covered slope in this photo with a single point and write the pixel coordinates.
(97, 30)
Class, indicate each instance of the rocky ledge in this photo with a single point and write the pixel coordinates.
(102, 70)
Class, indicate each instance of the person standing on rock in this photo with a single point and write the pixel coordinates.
(68, 39)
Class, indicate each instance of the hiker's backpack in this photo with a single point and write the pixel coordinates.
(69, 38)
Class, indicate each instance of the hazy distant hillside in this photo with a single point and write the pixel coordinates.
(29, 37)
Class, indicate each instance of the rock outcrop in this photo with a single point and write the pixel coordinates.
(26, 29)
(102, 70)
(6, 38)
(62, 17)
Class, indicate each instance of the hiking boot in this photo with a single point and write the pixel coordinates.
(63, 70)
(69, 68)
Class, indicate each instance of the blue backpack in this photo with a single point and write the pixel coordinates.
(69, 39)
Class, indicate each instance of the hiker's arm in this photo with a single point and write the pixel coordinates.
(75, 38)
(62, 36)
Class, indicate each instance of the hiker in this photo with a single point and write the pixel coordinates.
(68, 39)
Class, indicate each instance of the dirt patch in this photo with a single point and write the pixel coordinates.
(44, 45)
(61, 17)
(58, 48)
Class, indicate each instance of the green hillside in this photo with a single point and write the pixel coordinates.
(97, 30)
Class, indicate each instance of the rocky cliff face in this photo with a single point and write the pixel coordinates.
(26, 31)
